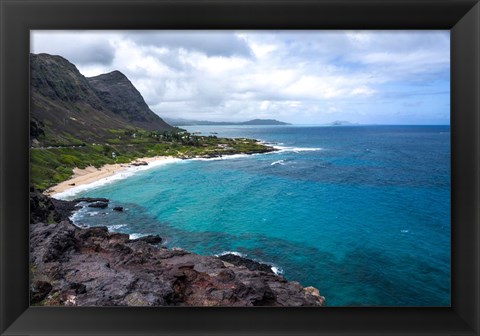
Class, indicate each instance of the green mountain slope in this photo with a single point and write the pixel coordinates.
(69, 109)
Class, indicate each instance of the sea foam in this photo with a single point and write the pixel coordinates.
(116, 227)
(136, 235)
(277, 270)
(297, 149)
(279, 162)
(238, 254)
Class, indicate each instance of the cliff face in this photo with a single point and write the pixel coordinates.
(93, 267)
(56, 79)
(123, 99)
(67, 108)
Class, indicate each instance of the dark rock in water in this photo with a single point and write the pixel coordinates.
(118, 208)
(141, 163)
(39, 291)
(91, 199)
(252, 265)
(150, 239)
(101, 205)
(64, 208)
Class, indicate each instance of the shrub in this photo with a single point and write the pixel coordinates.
(69, 160)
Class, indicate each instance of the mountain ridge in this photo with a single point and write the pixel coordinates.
(69, 108)
(189, 122)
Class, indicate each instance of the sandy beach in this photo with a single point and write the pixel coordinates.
(91, 174)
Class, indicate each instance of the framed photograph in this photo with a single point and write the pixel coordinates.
(271, 168)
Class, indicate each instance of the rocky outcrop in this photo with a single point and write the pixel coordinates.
(101, 205)
(150, 239)
(42, 208)
(64, 209)
(93, 267)
(248, 263)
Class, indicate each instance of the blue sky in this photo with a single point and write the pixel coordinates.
(301, 77)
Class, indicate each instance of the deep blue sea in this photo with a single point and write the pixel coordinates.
(360, 212)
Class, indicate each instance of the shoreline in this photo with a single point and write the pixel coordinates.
(83, 179)
(126, 272)
(89, 175)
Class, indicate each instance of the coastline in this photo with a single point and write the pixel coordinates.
(89, 175)
(112, 269)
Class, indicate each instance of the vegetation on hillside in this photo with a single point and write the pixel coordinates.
(50, 165)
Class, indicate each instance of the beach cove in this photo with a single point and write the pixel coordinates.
(229, 279)
(84, 178)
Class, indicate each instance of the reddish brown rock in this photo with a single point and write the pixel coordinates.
(93, 267)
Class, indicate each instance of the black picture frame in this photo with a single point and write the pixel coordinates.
(18, 17)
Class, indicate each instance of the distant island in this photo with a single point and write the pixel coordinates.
(187, 122)
(257, 122)
(341, 123)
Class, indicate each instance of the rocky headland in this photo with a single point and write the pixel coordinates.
(94, 267)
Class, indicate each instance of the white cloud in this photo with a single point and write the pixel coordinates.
(79, 47)
(363, 91)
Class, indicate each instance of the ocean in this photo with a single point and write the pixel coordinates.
(360, 212)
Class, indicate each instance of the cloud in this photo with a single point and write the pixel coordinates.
(77, 46)
(294, 76)
(211, 43)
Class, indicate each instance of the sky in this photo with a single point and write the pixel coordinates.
(300, 77)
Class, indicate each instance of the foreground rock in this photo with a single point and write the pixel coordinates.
(248, 263)
(49, 210)
(64, 209)
(150, 239)
(42, 208)
(93, 267)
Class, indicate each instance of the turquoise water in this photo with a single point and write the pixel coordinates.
(362, 213)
